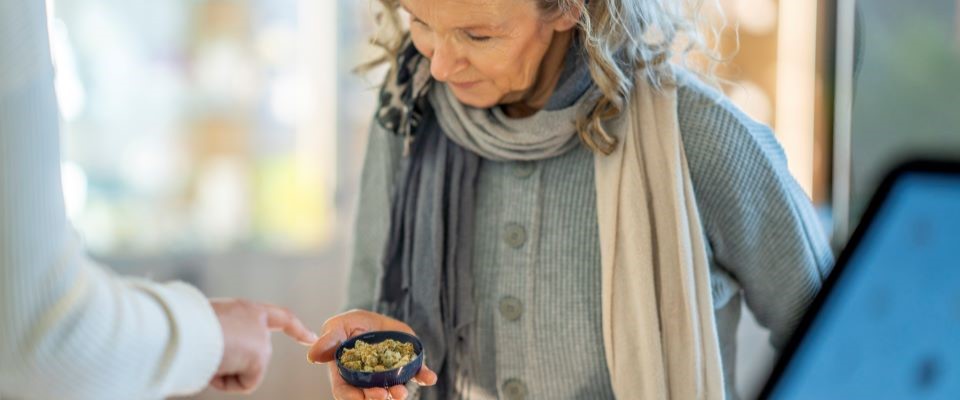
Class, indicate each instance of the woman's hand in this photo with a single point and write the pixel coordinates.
(349, 324)
(246, 338)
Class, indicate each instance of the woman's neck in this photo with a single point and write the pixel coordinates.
(536, 98)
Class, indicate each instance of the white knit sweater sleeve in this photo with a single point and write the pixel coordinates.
(70, 329)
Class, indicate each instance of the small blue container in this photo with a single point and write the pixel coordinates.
(384, 379)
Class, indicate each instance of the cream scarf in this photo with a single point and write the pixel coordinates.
(659, 332)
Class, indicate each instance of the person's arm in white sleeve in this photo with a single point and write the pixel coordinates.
(70, 329)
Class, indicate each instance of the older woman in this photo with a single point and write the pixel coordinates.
(558, 212)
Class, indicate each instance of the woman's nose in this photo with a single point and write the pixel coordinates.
(445, 62)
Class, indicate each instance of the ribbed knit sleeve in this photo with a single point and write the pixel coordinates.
(372, 223)
(70, 329)
(760, 223)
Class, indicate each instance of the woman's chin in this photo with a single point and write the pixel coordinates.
(474, 100)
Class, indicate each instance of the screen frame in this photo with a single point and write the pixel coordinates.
(930, 167)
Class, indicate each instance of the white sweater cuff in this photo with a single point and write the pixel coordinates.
(195, 333)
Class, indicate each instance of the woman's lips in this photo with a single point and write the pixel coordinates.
(464, 85)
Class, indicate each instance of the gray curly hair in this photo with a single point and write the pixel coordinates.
(620, 37)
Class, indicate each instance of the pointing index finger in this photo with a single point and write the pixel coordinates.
(281, 319)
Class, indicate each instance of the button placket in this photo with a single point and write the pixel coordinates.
(516, 257)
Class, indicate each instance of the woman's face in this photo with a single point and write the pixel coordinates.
(487, 51)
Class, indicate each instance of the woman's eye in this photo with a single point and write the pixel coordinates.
(478, 38)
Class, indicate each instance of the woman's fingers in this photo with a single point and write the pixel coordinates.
(282, 319)
(426, 377)
(398, 392)
(335, 330)
(325, 347)
(376, 393)
(231, 383)
(217, 383)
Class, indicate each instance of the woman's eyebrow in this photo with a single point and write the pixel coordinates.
(415, 18)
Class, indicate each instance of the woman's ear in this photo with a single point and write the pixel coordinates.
(568, 19)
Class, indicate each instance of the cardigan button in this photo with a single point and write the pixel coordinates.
(511, 308)
(514, 389)
(514, 235)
